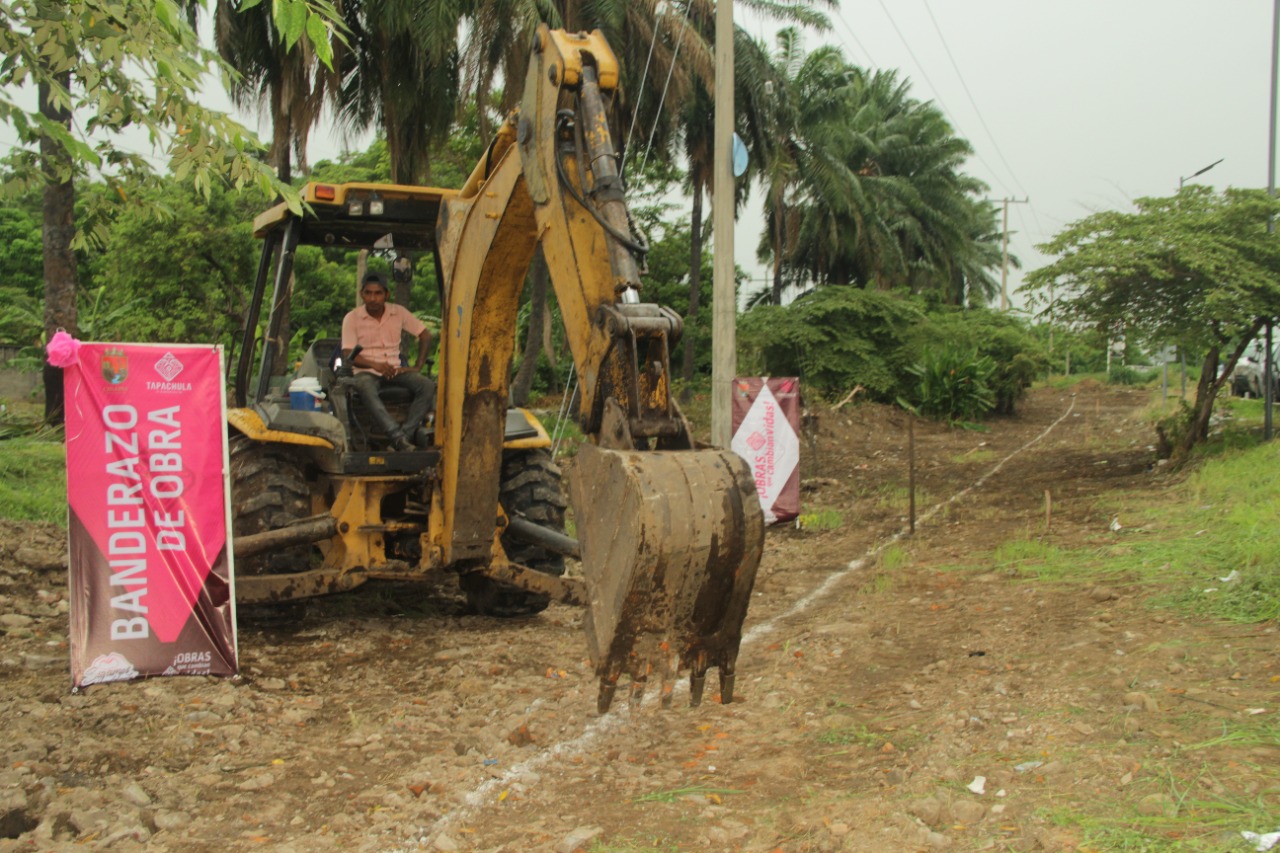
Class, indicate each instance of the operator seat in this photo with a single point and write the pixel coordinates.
(349, 408)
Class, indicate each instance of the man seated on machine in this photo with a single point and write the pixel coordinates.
(376, 327)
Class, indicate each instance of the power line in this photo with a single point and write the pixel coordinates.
(977, 110)
(870, 59)
(936, 91)
(972, 102)
(1035, 218)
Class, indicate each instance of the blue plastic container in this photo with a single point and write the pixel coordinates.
(303, 401)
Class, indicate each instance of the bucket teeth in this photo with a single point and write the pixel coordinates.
(605, 697)
(726, 685)
(670, 545)
(697, 682)
(638, 686)
(670, 672)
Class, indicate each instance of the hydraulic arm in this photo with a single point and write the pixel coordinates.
(670, 535)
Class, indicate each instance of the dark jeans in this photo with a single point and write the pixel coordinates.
(424, 400)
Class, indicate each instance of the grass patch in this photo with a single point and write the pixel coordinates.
(895, 499)
(853, 735)
(878, 585)
(888, 562)
(1244, 412)
(1251, 731)
(894, 557)
(821, 519)
(33, 478)
(1178, 817)
(1036, 559)
(976, 455)
(1206, 546)
(1225, 515)
(671, 795)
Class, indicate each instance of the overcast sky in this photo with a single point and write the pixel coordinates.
(1076, 107)
(1080, 106)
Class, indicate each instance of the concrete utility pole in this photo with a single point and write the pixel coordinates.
(1004, 268)
(1268, 395)
(725, 309)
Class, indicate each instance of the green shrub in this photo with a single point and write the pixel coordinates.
(33, 476)
(1125, 375)
(834, 338)
(1018, 357)
(953, 384)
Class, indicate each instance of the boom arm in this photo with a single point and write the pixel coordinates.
(670, 541)
(547, 160)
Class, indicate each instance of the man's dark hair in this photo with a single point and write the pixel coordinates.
(373, 278)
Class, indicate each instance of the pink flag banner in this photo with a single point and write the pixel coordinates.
(150, 560)
(766, 433)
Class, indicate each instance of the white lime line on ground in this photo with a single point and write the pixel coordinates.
(486, 791)
(826, 586)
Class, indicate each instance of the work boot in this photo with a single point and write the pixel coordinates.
(401, 443)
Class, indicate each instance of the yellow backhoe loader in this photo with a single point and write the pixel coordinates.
(669, 535)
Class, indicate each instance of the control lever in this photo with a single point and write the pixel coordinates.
(343, 369)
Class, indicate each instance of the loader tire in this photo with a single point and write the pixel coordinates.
(530, 489)
(268, 491)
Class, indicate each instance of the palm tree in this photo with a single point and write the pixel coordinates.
(756, 117)
(811, 112)
(868, 190)
(972, 280)
(659, 48)
(289, 82)
(401, 73)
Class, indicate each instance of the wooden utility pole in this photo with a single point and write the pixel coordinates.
(1004, 267)
(725, 308)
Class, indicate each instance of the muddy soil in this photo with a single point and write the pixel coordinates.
(886, 700)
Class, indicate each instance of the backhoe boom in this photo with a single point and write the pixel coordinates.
(677, 595)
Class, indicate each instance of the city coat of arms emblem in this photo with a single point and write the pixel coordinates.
(115, 366)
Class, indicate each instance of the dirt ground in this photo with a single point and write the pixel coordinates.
(884, 702)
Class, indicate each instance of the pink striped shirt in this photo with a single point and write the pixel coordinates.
(380, 338)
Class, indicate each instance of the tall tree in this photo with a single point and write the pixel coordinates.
(58, 210)
(88, 60)
(1198, 269)
(401, 75)
(868, 187)
(758, 119)
(808, 109)
(286, 79)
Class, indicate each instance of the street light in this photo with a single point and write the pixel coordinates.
(1183, 359)
(1182, 181)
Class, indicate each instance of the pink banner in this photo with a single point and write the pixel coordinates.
(766, 433)
(150, 569)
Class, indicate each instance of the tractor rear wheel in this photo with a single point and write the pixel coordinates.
(531, 490)
(268, 491)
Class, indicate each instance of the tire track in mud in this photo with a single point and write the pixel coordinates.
(616, 721)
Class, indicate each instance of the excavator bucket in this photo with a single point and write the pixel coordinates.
(670, 545)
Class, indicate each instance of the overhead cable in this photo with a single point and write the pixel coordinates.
(973, 103)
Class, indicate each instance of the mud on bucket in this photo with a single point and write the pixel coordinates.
(670, 545)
